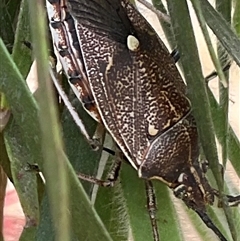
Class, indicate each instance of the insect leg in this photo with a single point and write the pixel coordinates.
(232, 201)
(109, 151)
(93, 142)
(214, 74)
(111, 177)
(176, 56)
(151, 205)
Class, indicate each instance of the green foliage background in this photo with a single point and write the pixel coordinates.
(41, 132)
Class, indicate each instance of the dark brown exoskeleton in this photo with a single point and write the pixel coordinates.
(125, 78)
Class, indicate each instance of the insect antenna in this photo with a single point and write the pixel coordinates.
(210, 224)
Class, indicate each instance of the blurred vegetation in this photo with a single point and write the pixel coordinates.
(42, 131)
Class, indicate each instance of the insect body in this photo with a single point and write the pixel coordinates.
(125, 78)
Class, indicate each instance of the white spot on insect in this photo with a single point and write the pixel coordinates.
(132, 43)
(181, 177)
(96, 49)
(139, 159)
(131, 114)
(109, 65)
(152, 130)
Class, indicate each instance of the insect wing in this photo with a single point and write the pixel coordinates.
(68, 52)
(134, 90)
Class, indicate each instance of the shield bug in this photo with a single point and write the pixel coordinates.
(126, 79)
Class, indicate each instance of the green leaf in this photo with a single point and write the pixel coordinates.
(79, 152)
(198, 92)
(195, 81)
(8, 11)
(4, 160)
(21, 54)
(21, 135)
(236, 17)
(70, 208)
(111, 206)
(222, 30)
(136, 202)
(65, 209)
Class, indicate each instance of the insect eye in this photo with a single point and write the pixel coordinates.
(181, 191)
